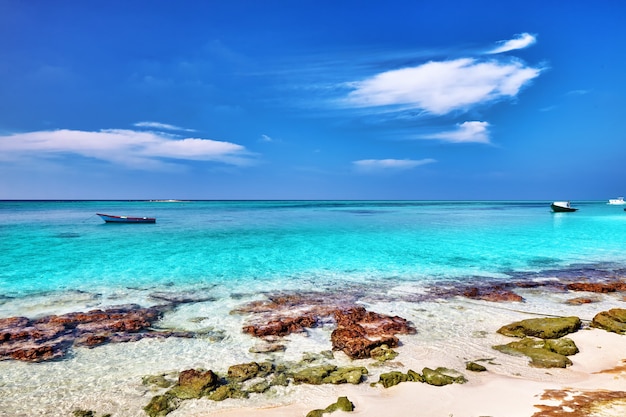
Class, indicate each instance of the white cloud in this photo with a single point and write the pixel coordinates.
(377, 165)
(442, 87)
(521, 41)
(466, 132)
(265, 138)
(129, 148)
(161, 126)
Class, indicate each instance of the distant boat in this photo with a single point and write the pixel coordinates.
(108, 218)
(616, 201)
(562, 207)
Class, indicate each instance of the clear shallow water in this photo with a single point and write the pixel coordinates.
(50, 246)
(58, 257)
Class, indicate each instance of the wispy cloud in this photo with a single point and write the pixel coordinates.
(162, 126)
(577, 92)
(386, 165)
(265, 138)
(521, 41)
(128, 148)
(440, 87)
(466, 132)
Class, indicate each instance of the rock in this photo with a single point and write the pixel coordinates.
(314, 375)
(245, 371)
(51, 337)
(349, 375)
(475, 367)
(257, 386)
(383, 353)
(358, 330)
(563, 346)
(282, 326)
(194, 383)
(392, 378)
(494, 294)
(442, 376)
(343, 404)
(157, 381)
(226, 391)
(597, 287)
(544, 328)
(613, 320)
(539, 352)
(161, 405)
(581, 300)
(267, 348)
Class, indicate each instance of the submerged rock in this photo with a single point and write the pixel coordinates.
(51, 337)
(194, 383)
(613, 320)
(544, 328)
(358, 331)
(162, 405)
(383, 353)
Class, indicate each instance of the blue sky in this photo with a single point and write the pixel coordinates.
(312, 99)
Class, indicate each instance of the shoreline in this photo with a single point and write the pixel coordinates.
(453, 326)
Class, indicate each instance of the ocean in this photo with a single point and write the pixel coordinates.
(58, 257)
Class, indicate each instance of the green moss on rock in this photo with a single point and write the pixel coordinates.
(349, 375)
(392, 378)
(313, 375)
(613, 320)
(383, 353)
(542, 354)
(161, 405)
(343, 404)
(544, 328)
(475, 367)
(442, 376)
(194, 383)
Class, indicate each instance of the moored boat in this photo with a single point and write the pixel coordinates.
(562, 207)
(108, 218)
(617, 201)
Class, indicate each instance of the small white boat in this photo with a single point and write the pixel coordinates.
(562, 207)
(617, 201)
(109, 218)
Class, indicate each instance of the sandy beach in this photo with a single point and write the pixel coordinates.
(509, 387)
(599, 367)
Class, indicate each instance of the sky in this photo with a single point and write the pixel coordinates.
(394, 99)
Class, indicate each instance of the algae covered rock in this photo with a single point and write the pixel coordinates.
(161, 405)
(392, 378)
(194, 383)
(245, 371)
(542, 353)
(383, 353)
(343, 404)
(349, 375)
(314, 375)
(158, 381)
(613, 320)
(475, 367)
(226, 391)
(544, 328)
(442, 376)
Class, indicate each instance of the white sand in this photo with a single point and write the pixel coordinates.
(485, 394)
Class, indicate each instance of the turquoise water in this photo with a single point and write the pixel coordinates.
(51, 246)
(59, 257)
